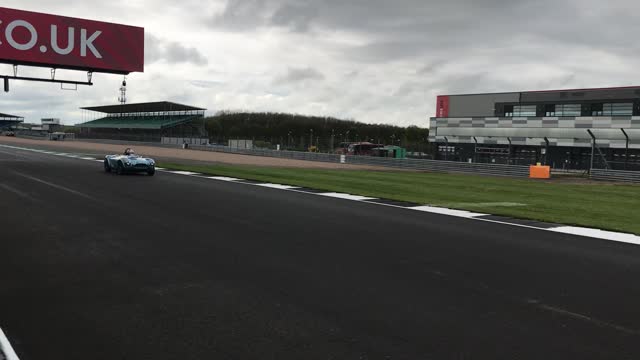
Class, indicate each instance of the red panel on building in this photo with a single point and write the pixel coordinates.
(442, 106)
(29, 38)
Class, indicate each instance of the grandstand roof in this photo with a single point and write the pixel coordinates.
(159, 106)
(10, 117)
(138, 122)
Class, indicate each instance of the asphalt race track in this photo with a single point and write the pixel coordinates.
(100, 266)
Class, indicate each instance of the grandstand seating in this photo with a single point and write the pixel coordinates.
(138, 122)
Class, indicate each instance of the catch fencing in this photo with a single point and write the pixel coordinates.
(407, 164)
(616, 175)
(183, 140)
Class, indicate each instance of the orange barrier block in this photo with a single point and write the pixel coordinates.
(540, 172)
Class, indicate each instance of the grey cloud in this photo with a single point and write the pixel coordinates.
(245, 14)
(206, 84)
(404, 52)
(409, 88)
(172, 52)
(406, 28)
(431, 67)
(298, 17)
(296, 75)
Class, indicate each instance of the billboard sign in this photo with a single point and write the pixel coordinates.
(442, 106)
(35, 39)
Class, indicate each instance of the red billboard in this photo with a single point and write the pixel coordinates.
(29, 38)
(442, 106)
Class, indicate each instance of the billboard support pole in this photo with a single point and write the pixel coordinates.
(53, 79)
(71, 82)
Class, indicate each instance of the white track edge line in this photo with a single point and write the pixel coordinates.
(345, 196)
(599, 234)
(5, 347)
(276, 186)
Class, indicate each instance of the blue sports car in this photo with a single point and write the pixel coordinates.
(129, 162)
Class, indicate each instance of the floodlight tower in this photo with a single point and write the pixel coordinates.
(123, 92)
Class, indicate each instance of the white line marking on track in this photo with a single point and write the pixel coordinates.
(55, 186)
(18, 155)
(223, 178)
(450, 212)
(278, 186)
(184, 173)
(586, 318)
(17, 192)
(599, 234)
(159, 168)
(346, 196)
(5, 347)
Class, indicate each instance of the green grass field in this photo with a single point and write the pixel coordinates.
(600, 205)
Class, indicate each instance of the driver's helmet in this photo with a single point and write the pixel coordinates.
(129, 151)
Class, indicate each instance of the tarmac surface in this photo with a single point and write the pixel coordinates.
(100, 266)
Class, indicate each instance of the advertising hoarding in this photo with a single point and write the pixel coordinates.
(35, 39)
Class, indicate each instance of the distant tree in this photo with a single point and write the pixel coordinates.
(296, 131)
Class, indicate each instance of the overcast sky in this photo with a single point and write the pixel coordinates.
(375, 61)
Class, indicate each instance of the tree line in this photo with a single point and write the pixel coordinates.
(298, 132)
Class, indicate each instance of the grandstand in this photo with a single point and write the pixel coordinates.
(9, 121)
(144, 122)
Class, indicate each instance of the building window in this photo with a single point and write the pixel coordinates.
(618, 109)
(508, 110)
(524, 110)
(597, 110)
(550, 110)
(569, 110)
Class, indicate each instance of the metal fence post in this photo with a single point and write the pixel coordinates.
(626, 149)
(593, 150)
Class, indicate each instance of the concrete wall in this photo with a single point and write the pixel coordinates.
(481, 105)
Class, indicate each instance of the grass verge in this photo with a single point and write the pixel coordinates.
(600, 205)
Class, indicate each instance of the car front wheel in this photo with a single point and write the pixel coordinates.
(107, 167)
(119, 168)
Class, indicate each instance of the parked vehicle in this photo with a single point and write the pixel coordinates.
(362, 148)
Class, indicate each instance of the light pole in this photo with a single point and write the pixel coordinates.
(331, 146)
